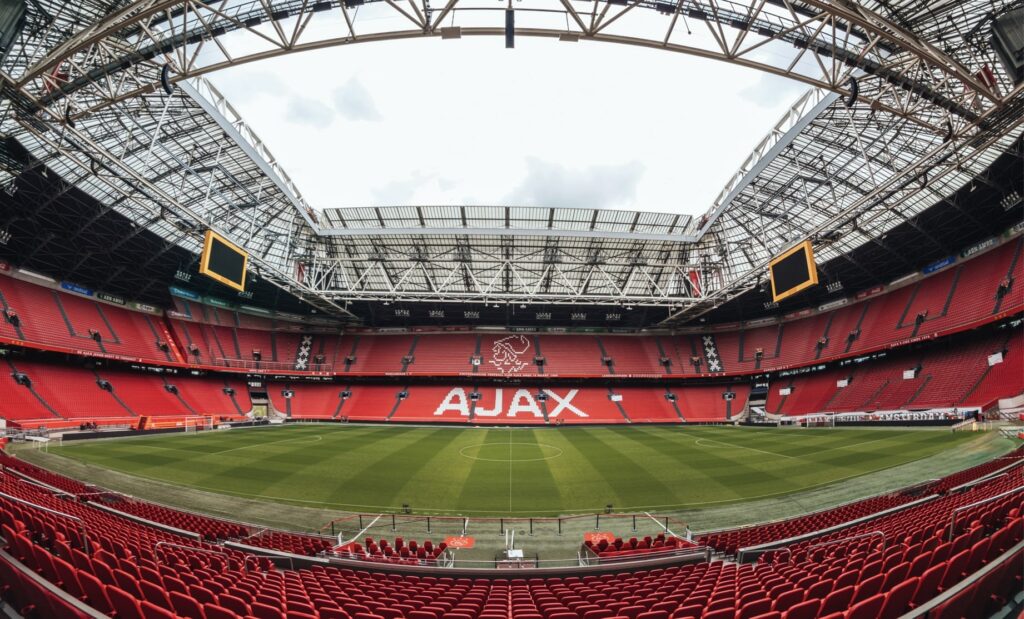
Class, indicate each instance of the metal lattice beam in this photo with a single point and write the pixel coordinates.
(82, 88)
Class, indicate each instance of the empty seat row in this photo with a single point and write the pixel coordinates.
(129, 570)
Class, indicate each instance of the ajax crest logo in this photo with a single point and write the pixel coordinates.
(507, 353)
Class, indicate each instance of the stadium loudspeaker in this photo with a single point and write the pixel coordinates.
(1008, 42)
(850, 100)
(510, 28)
(12, 21)
(165, 79)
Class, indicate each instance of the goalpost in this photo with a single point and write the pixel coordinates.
(198, 422)
(820, 421)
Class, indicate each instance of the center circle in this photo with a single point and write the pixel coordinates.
(510, 452)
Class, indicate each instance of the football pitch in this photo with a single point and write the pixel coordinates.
(501, 471)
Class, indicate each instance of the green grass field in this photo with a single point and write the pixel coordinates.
(490, 472)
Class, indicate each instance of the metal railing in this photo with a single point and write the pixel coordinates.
(461, 525)
(925, 610)
(76, 519)
(955, 514)
(250, 364)
(597, 559)
(808, 549)
(971, 425)
(160, 554)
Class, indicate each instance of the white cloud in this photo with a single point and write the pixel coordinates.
(245, 87)
(596, 186)
(548, 123)
(400, 191)
(769, 91)
(354, 102)
(306, 111)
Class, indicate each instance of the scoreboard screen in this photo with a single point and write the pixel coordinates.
(793, 271)
(223, 261)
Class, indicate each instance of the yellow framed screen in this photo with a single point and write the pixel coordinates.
(223, 261)
(793, 271)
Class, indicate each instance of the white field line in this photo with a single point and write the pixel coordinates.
(659, 523)
(318, 437)
(509, 471)
(884, 438)
(360, 534)
(577, 511)
(768, 453)
(820, 451)
(448, 511)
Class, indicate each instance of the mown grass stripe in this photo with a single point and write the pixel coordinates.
(373, 468)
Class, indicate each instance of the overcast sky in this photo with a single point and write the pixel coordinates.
(470, 122)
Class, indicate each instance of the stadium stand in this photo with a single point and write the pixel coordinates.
(56, 392)
(631, 355)
(633, 547)
(211, 396)
(450, 353)
(209, 528)
(48, 317)
(650, 405)
(381, 354)
(400, 552)
(570, 354)
(160, 268)
(145, 394)
(730, 541)
(215, 336)
(710, 403)
(423, 401)
(21, 402)
(371, 402)
(995, 379)
(32, 472)
(482, 405)
(210, 336)
(880, 385)
(807, 394)
(193, 342)
(594, 405)
(485, 405)
(311, 401)
(294, 543)
(77, 393)
(933, 531)
(125, 568)
(873, 385)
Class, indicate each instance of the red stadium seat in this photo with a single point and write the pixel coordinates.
(187, 607)
(155, 611)
(125, 605)
(898, 599)
(264, 611)
(134, 567)
(804, 610)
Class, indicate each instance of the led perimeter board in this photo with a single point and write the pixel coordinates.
(223, 261)
(793, 271)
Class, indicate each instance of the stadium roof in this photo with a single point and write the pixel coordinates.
(906, 103)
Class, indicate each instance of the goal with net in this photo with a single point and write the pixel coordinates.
(198, 423)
